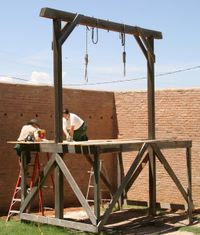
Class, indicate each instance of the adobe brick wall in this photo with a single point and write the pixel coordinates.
(177, 116)
(20, 103)
(109, 115)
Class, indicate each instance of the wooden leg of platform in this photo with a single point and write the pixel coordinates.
(96, 167)
(59, 191)
(23, 170)
(152, 182)
(120, 175)
(189, 178)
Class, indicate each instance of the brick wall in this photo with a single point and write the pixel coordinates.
(20, 103)
(177, 116)
(109, 115)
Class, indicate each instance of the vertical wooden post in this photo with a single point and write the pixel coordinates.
(151, 129)
(57, 65)
(57, 61)
(120, 175)
(23, 176)
(96, 168)
(189, 178)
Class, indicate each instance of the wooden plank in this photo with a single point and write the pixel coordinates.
(99, 23)
(57, 65)
(152, 182)
(148, 45)
(76, 189)
(59, 222)
(97, 202)
(137, 172)
(68, 28)
(23, 170)
(151, 96)
(189, 178)
(169, 170)
(138, 40)
(120, 176)
(59, 190)
(124, 183)
(44, 174)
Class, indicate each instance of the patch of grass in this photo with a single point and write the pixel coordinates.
(192, 229)
(19, 228)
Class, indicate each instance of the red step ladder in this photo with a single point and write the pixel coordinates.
(16, 198)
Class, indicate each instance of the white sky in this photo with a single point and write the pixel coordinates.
(26, 55)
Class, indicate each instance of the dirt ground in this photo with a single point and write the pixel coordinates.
(137, 221)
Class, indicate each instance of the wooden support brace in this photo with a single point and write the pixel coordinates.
(68, 28)
(169, 170)
(75, 189)
(124, 183)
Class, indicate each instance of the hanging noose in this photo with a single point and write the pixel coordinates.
(95, 40)
(123, 42)
(86, 55)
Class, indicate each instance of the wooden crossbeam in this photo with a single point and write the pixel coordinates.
(99, 23)
(59, 222)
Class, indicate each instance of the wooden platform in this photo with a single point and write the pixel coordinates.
(148, 150)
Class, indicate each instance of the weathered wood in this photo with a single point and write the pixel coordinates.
(57, 66)
(120, 176)
(97, 201)
(151, 94)
(99, 23)
(149, 43)
(140, 43)
(124, 183)
(23, 171)
(152, 182)
(169, 170)
(149, 47)
(59, 190)
(68, 28)
(137, 172)
(104, 146)
(189, 179)
(76, 189)
(59, 222)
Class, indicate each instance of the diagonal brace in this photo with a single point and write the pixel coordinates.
(169, 170)
(124, 183)
(76, 189)
(68, 28)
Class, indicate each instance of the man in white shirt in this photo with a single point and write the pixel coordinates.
(74, 127)
(27, 134)
(28, 130)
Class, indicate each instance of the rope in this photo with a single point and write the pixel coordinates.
(123, 42)
(86, 54)
(95, 41)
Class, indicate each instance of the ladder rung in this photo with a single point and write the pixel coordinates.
(18, 187)
(48, 208)
(17, 199)
(14, 211)
(47, 186)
